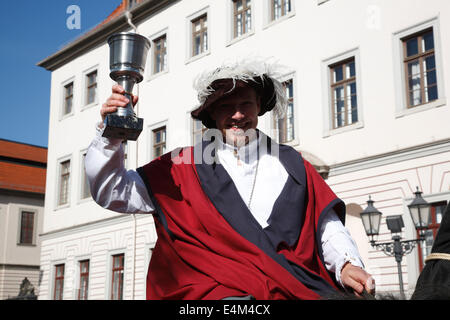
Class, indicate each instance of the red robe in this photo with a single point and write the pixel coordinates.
(199, 255)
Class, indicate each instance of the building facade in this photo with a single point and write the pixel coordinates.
(367, 106)
(22, 190)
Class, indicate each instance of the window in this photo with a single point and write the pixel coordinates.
(436, 214)
(68, 98)
(59, 282)
(84, 280)
(64, 178)
(26, 227)
(160, 54)
(344, 105)
(197, 131)
(85, 188)
(159, 141)
(279, 8)
(285, 126)
(420, 68)
(117, 277)
(242, 17)
(91, 87)
(125, 154)
(199, 35)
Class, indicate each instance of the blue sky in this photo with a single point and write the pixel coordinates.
(32, 30)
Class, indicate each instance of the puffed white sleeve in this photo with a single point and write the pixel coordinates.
(338, 246)
(112, 186)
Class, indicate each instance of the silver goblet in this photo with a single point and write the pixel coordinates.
(127, 57)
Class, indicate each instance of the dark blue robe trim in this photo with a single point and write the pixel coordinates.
(159, 213)
(285, 222)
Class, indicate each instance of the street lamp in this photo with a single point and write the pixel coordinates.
(371, 218)
(420, 213)
(419, 210)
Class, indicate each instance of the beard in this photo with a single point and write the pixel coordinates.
(238, 137)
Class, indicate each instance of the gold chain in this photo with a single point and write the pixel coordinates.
(254, 183)
(236, 154)
(434, 256)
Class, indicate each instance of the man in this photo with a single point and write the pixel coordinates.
(251, 219)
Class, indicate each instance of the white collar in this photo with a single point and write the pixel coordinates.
(247, 153)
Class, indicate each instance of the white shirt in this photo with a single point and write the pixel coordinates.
(115, 188)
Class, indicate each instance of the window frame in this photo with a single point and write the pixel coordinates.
(151, 56)
(202, 20)
(58, 203)
(66, 98)
(344, 82)
(85, 94)
(193, 130)
(162, 52)
(113, 269)
(62, 114)
(33, 227)
(151, 128)
(82, 275)
(292, 76)
(419, 56)
(268, 8)
(328, 128)
(283, 6)
(83, 179)
(246, 7)
(189, 29)
(89, 86)
(401, 108)
(231, 36)
(126, 157)
(161, 143)
(58, 280)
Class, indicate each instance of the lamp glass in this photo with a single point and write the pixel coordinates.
(424, 216)
(420, 214)
(371, 222)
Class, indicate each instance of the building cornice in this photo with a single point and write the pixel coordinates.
(19, 266)
(98, 35)
(423, 150)
(93, 225)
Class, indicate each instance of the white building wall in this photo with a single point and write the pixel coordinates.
(391, 184)
(97, 242)
(305, 41)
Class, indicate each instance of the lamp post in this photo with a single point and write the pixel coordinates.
(371, 217)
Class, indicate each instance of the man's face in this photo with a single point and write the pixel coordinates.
(237, 113)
